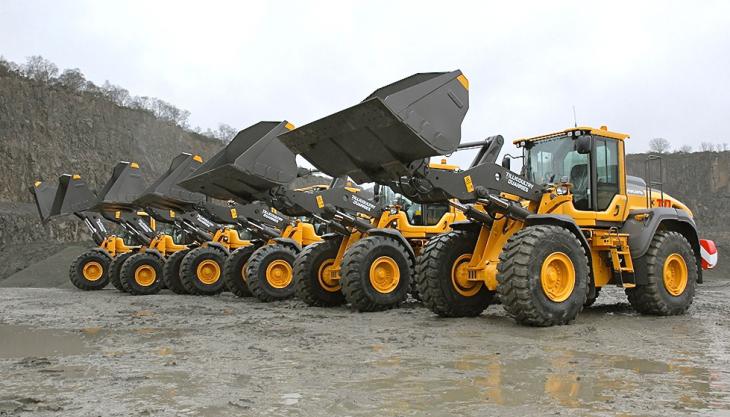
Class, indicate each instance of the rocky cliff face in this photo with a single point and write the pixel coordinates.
(700, 180)
(46, 131)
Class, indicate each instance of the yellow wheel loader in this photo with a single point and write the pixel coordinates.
(193, 263)
(371, 264)
(256, 168)
(546, 239)
(368, 259)
(92, 269)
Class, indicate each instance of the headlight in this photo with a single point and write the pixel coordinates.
(561, 190)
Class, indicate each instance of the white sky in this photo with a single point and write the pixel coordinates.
(651, 69)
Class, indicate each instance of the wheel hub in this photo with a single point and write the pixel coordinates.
(326, 277)
(145, 275)
(93, 271)
(384, 275)
(675, 274)
(460, 277)
(279, 274)
(208, 272)
(557, 277)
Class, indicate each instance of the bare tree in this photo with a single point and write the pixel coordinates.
(115, 93)
(225, 133)
(9, 66)
(659, 145)
(40, 69)
(685, 149)
(73, 79)
(722, 147)
(707, 147)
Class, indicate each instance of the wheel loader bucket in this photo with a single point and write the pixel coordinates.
(415, 118)
(165, 193)
(123, 188)
(43, 194)
(72, 196)
(253, 163)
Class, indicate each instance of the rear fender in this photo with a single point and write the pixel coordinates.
(641, 231)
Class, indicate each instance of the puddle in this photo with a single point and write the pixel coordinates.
(23, 341)
(591, 382)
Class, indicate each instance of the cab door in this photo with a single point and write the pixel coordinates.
(599, 195)
(609, 180)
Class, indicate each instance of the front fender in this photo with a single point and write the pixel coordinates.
(291, 243)
(394, 234)
(466, 225)
(567, 223)
(218, 245)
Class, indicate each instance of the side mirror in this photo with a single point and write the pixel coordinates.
(506, 162)
(583, 144)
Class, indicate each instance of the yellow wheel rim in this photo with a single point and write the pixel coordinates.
(460, 277)
(384, 274)
(324, 275)
(279, 274)
(557, 277)
(244, 277)
(145, 275)
(93, 271)
(675, 274)
(208, 272)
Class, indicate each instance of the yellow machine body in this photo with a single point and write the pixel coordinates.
(609, 249)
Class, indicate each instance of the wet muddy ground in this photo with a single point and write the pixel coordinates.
(67, 352)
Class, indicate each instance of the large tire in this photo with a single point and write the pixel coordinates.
(376, 274)
(311, 283)
(440, 276)
(115, 269)
(234, 271)
(201, 270)
(669, 253)
(141, 274)
(89, 271)
(171, 272)
(590, 300)
(534, 276)
(270, 275)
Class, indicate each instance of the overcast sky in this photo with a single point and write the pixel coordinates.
(650, 69)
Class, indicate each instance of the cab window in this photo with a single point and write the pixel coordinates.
(607, 185)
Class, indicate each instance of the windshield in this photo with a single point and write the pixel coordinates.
(548, 161)
(554, 160)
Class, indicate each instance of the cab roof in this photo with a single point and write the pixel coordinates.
(602, 131)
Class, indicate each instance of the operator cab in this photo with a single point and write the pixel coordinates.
(589, 159)
(425, 214)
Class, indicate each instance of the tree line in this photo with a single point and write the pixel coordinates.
(44, 71)
(662, 145)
